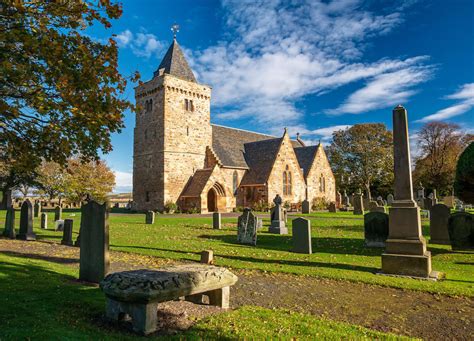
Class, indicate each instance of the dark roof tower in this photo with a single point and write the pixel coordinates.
(174, 63)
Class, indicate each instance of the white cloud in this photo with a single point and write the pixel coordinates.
(142, 44)
(275, 53)
(384, 90)
(465, 94)
(123, 181)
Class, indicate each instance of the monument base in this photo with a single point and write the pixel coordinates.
(407, 265)
(278, 227)
(27, 237)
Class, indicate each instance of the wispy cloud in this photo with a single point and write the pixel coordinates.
(123, 182)
(466, 96)
(309, 136)
(142, 44)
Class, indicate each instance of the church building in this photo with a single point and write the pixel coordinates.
(180, 157)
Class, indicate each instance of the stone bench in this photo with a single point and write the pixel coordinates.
(136, 294)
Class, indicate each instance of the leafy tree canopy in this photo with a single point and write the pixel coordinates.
(361, 157)
(60, 91)
(464, 181)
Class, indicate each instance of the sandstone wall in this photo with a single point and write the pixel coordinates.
(321, 167)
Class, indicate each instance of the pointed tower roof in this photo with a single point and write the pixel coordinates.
(175, 64)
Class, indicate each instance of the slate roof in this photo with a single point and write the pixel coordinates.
(305, 156)
(175, 64)
(197, 183)
(260, 157)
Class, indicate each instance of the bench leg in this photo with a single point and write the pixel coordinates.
(144, 316)
(196, 298)
(219, 297)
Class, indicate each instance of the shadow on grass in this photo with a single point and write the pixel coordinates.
(340, 266)
(46, 258)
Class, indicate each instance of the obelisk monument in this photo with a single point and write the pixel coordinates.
(405, 253)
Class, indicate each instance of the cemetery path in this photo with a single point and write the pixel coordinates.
(406, 312)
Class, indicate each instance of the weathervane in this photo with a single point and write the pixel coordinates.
(175, 29)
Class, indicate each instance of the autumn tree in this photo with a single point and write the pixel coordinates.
(60, 90)
(439, 147)
(52, 179)
(361, 157)
(464, 180)
(93, 179)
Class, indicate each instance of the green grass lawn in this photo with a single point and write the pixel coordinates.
(43, 301)
(338, 246)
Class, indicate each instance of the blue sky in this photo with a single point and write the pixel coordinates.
(312, 66)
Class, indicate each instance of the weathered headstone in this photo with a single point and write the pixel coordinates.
(37, 209)
(461, 231)
(94, 231)
(380, 209)
(372, 205)
(332, 207)
(375, 229)
(149, 217)
(346, 200)
(9, 230)
(380, 201)
(358, 203)
(278, 225)
(305, 207)
(338, 199)
(67, 232)
(434, 197)
(390, 199)
(58, 212)
(259, 223)
(439, 216)
(449, 201)
(302, 236)
(207, 257)
(216, 221)
(405, 252)
(59, 225)
(427, 203)
(26, 222)
(247, 228)
(44, 221)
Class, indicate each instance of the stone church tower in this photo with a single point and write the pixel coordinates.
(171, 133)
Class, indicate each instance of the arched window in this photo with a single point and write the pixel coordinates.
(151, 105)
(287, 181)
(186, 104)
(235, 181)
(191, 105)
(322, 183)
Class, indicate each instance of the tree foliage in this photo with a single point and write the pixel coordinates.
(439, 146)
(60, 91)
(464, 180)
(52, 179)
(361, 157)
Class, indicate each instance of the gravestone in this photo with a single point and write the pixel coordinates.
(94, 232)
(259, 223)
(58, 212)
(37, 209)
(149, 217)
(405, 248)
(247, 228)
(59, 225)
(372, 205)
(26, 222)
(332, 207)
(390, 199)
(216, 221)
(461, 231)
(439, 216)
(427, 203)
(67, 233)
(278, 225)
(302, 236)
(434, 197)
(338, 199)
(375, 229)
(380, 209)
(305, 207)
(380, 201)
(44, 221)
(449, 201)
(421, 192)
(358, 204)
(346, 200)
(9, 230)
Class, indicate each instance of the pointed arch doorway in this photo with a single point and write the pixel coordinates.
(211, 200)
(216, 200)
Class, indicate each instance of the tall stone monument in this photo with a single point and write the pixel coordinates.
(94, 232)
(405, 253)
(26, 222)
(358, 203)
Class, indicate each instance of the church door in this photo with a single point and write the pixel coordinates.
(211, 200)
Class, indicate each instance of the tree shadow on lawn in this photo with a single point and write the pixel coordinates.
(46, 258)
(340, 266)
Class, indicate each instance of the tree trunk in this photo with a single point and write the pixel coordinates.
(6, 199)
(367, 188)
